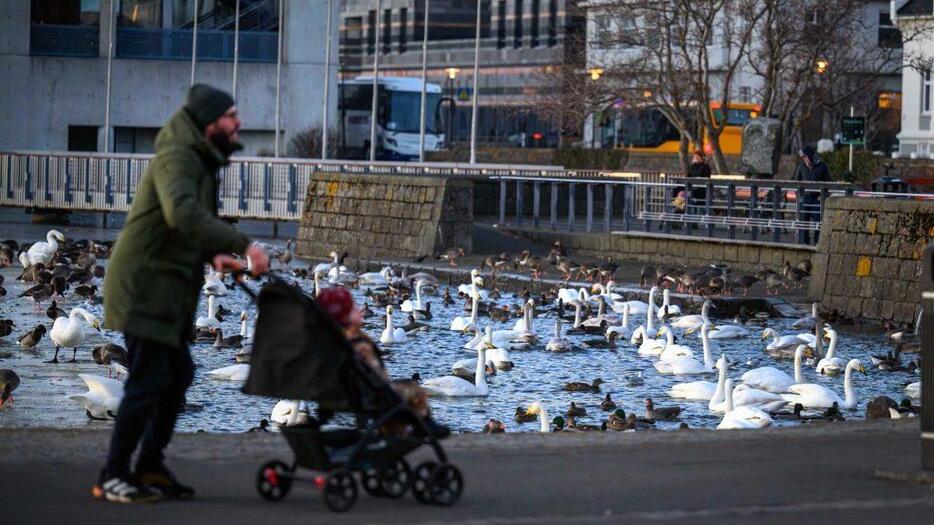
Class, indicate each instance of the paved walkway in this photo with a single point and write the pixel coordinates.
(821, 474)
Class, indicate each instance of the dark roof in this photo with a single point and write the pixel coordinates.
(917, 8)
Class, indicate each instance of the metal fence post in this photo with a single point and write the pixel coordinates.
(292, 205)
(502, 202)
(87, 180)
(48, 189)
(519, 203)
(666, 202)
(753, 211)
(536, 202)
(108, 185)
(627, 207)
(799, 213)
(28, 189)
(777, 195)
(730, 202)
(571, 206)
(243, 187)
(590, 207)
(266, 204)
(129, 183)
(647, 198)
(67, 180)
(554, 205)
(927, 359)
(9, 177)
(707, 202)
(607, 206)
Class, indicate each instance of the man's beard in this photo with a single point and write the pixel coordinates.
(223, 143)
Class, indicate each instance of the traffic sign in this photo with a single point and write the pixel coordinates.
(463, 94)
(853, 130)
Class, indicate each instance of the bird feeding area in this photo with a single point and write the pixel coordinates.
(540, 370)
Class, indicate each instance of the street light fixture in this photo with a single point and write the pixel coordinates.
(452, 75)
(595, 73)
(452, 72)
(822, 66)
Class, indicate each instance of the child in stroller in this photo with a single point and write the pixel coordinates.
(307, 349)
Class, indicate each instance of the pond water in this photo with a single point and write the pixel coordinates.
(538, 374)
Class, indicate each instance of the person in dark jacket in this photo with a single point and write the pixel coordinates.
(153, 283)
(811, 169)
(698, 169)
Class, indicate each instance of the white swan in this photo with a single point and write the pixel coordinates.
(773, 380)
(648, 330)
(324, 268)
(209, 322)
(807, 322)
(692, 323)
(671, 350)
(558, 343)
(340, 274)
(102, 398)
(728, 331)
(213, 285)
(539, 408)
(375, 280)
(622, 331)
(522, 324)
(700, 390)
(390, 335)
(687, 365)
(453, 386)
(43, 252)
(237, 372)
(290, 413)
(818, 396)
(416, 307)
(667, 308)
(499, 356)
(473, 287)
(743, 396)
(598, 290)
(913, 390)
(67, 331)
(831, 364)
(599, 319)
(742, 417)
(782, 342)
(460, 322)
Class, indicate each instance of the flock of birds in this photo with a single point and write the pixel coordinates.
(593, 318)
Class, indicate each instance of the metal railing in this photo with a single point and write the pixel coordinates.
(781, 211)
(64, 40)
(175, 44)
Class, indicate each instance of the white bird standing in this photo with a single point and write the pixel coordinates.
(390, 335)
(773, 380)
(742, 417)
(209, 322)
(43, 252)
(818, 396)
(67, 331)
(453, 386)
(102, 398)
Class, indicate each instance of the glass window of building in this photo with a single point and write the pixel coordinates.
(926, 91)
(65, 12)
(140, 13)
(552, 23)
(403, 29)
(387, 30)
(533, 29)
(517, 27)
(371, 32)
(501, 24)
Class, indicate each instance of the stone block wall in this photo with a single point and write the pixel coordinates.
(673, 249)
(869, 257)
(385, 215)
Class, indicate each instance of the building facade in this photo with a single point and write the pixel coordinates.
(916, 138)
(54, 61)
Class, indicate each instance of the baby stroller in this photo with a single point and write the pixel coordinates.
(300, 353)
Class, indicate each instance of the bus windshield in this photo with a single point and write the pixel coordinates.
(404, 111)
(734, 116)
(646, 128)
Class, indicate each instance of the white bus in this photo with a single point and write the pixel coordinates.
(398, 117)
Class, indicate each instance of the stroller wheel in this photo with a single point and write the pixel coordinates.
(273, 480)
(370, 481)
(446, 485)
(395, 480)
(340, 491)
(420, 481)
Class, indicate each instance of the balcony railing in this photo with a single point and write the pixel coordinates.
(64, 41)
(175, 44)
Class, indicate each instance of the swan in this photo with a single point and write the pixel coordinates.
(237, 372)
(340, 274)
(913, 390)
(730, 331)
(460, 322)
(213, 284)
(523, 323)
(453, 386)
(390, 335)
(691, 323)
(557, 343)
(102, 398)
(667, 308)
(811, 395)
(376, 280)
(648, 330)
(539, 408)
(598, 290)
(687, 365)
(209, 322)
(784, 342)
(417, 307)
(743, 396)
(599, 319)
(472, 288)
(622, 331)
(773, 380)
(807, 322)
(742, 417)
(700, 390)
(671, 350)
(324, 268)
(43, 252)
(830, 364)
(66, 331)
(570, 295)
(499, 356)
(290, 413)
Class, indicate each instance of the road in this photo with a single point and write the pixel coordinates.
(821, 474)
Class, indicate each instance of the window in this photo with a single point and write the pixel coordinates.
(517, 26)
(552, 23)
(745, 93)
(140, 13)
(82, 138)
(926, 91)
(371, 32)
(888, 35)
(889, 100)
(501, 25)
(352, 35)
(536, 7)
(601, 30)
(403, 28)
(387, 30)
(71, 13)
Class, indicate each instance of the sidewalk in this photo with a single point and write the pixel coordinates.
(809, 474)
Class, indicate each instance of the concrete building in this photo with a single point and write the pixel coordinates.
(521, 42)
(917, 135)
(53, 59)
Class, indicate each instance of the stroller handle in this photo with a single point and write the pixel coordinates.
(238, 278)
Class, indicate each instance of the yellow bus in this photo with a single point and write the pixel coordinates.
(647, 130)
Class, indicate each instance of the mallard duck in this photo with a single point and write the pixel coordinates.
(234, 341)
(575, 410)
(523, 416)
(414, 326)
(584, 387)
(608, 342)
(573, 425)
(31, 338)
(110, 353)
(607, 404)
(451, 256)
(617, 421)
(653, 413)
(9, 381)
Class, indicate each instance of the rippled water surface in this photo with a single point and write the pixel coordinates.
(538, 374)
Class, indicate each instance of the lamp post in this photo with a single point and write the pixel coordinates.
(476, 78)
(421, 113)
(452, 75)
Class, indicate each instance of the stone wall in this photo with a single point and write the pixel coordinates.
(673, 249)
(385, 215)
(869, 257)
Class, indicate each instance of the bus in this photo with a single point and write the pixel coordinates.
(397, 117)
(647, 130)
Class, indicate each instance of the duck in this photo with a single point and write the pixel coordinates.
(453, 386)
(653, 413)
(522, 415)
(460, 322)
(571, 425)
(685, 364)
(538, 408)
(390, 335)
(812, 395)
(558, 343)
(667, 309)
(209, 321)
(31, 338)
(9, 381)
(238, 372)
(214, 284)
(234, 341)
(692, 323)
(412, 326)
(290, 413)
(607, 342)
(773, 380)
(831, 364)
(110, 353)
(576, 411)
(67, 331)
(464, 368)
(607, 404)
(584, 387)
(742, 417)
(43, 252)
(494, 426)
(102, 398)
(6, 327)
(700, 390)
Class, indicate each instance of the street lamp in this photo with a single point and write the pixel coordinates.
(452, 75)
(822, 66)
(595, 73)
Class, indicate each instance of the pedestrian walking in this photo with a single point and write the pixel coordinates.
(811, 169)
(153, 284)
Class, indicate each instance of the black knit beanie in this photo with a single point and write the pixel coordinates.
(205, 104)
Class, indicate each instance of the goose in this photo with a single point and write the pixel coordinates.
(807, 322)
(472, 288)
(238, 372)
(209, 322)
(102, 398)
(692, 323)
(290, 413)
(539, 408)
(741, 417)
(622, 331)
(410, 306)
(43, 252)
(9, 382)
(452, 386)
(811, 395)
(672, 350)
(830, 364)
(213, 284)
(773, 380)
(913, 390)
(700, 390)
(390, 335)
(66, 331)
(687, 365)
(648, 330)
(743, 396)
(460, 322)
(729, 331)
(557, 343)
(667, 308)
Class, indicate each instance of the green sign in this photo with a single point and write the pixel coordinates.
(463, 94)
(853, 130)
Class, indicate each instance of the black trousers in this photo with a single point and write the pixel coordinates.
(154, 391)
